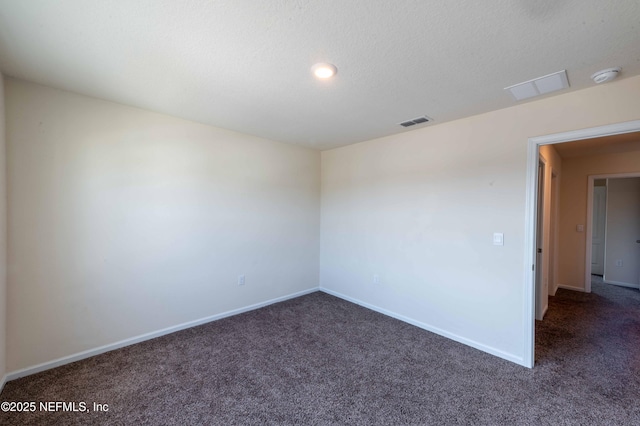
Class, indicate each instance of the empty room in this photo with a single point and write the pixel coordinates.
(305, 212)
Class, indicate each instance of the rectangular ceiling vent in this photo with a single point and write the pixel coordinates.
(539, 86)
(413, 122)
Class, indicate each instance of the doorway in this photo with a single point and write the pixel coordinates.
(531, 262)
(598, 225)
(621, 260)
(545, 230)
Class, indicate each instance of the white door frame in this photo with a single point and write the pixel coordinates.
(531, 192)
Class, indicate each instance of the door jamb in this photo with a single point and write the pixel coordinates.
(530, 214)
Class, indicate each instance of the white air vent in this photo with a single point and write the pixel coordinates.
(414, 121)
(539, 86)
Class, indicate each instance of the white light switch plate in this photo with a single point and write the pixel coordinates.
(498, 239)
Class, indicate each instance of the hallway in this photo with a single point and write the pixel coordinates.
(592, 340)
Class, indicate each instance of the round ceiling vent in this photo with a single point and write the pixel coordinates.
(606, 75)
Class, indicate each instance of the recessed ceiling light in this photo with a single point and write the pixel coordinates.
(324, 70)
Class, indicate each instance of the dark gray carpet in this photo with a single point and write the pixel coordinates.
(320, 360)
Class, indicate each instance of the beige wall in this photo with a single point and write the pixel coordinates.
(419, 209)
(623, 229)
(3, 237)
(125, 222)
(573, 208)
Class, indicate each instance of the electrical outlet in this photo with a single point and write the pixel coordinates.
(376, 279)
(618, 262)
(240, 279)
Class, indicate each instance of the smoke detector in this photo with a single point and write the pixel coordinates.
(606, 75)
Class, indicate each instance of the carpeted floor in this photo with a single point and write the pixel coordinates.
(319, 360)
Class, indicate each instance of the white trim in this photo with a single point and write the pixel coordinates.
(436, 330)
(589, 133)
(529, 293)
(572, 288)
(3, 382)
(530, 209)
(147, 336)
(622, 284)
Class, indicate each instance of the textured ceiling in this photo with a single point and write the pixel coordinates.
(245, 65)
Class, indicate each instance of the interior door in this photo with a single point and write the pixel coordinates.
(598, 229)
(541, 292)
(623, 229)
(638, 244)
(638, 257)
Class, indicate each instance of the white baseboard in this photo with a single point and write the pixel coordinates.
(3, 381)
(148, 336)
(570, 287)
(436, 330)
(622, 284)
